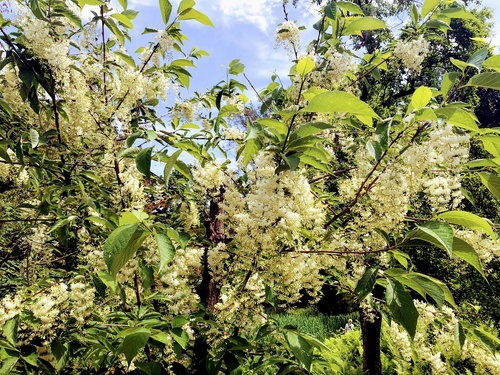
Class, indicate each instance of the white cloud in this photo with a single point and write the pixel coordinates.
(256, 12)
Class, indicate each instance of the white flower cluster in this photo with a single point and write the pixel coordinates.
(435, 345)
(339, 64)
(82, 298)
(180, 280)
(189, 215)
(187, 110)
(288, 35)
(443, 192)
(267, 219)
(233, 134)
(209, 177)
(412, 53)
(10, 307)
(166, 41)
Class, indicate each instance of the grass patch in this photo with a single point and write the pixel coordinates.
(318, 325)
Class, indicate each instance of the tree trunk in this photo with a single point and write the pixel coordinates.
(208, 290)
(371, 324)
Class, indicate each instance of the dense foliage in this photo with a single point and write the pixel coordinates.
(340, 185)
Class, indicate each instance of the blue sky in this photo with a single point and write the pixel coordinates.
(244, 29)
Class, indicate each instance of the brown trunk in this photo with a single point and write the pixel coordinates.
(208, 290)
(371, 323)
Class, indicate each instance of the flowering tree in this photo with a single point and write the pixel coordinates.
(118, 269)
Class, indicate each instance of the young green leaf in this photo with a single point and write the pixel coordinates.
(339, 102)
(436, 233)
(466, 252)
(488, 80)
(366, 283)
(492, 182)
(421, 97)
(165, 248)
(165, 9)
(301, 349)
(401, 306)
(135, 339)
(305, 65)
(143, 161)
(468, 220)
(428, 6)
(121, 246)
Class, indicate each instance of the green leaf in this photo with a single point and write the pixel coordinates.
(301, 349)
(366, 283)
(459, 117)
(331, 10)
(414, 14)
(421, 97)
(130, 62)
(468, 220)
(37, 11)
(305, 65)
(133, 217)
(6, 107)
(491, 342)
(488, 80)
(60, 352)
(123, 3)
(374, 149)
(492, 62)
(436, 233)
(401, 306)
(308, 129)
(166, 9)
(169, 165)
(437, 24)
(459, 334)
(466, 252)
(349, 7)
(252, 146)
(143, 161)
(8, 365)
(185, 4)
(10, 330)
(462, 65)
(124, 20)
(272, 124)
(34, 136)
(313, 162)
(62, 222)
(382, 133)
(183, 169)
(180, 337)
(339, 102)
(492, 182)
(362, 24)
(165, 248)
(428, 6)
(448, 81)
(82, 3)
(236, 67)
(477, 59)
(193, 14)
(108, 280)
(121, 245)
(111, 24)
(135, 339)
(491, 143)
